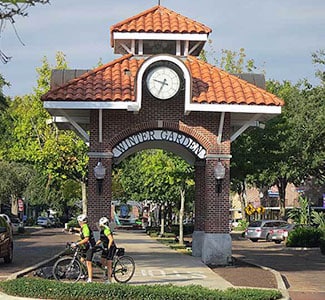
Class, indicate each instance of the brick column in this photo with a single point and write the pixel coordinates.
(99, 205)
(217, 241)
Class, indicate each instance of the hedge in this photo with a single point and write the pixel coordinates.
(49, 289)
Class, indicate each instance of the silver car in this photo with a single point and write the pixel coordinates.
(260, 229)
(279, 234)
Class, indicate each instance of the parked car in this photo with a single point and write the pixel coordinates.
(17, 225)
(6, 241)
(278, 235)
(259, 230)
(44, 221)
(7, 218)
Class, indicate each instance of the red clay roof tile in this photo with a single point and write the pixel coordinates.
(159, 19)
(209, 85)
(213, 85)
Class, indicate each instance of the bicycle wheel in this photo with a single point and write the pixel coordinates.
(124, 268)
(67, 269)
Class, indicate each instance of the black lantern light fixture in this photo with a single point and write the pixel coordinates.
(219, 174)
(99, 172)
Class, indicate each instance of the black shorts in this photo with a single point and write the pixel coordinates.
(109, 253)
(88, 254)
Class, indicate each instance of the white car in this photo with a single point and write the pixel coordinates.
(44, 222)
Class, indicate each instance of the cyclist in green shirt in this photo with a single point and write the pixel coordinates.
(86, 243)
(107, 240)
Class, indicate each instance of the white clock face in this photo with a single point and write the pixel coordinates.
(163, 82)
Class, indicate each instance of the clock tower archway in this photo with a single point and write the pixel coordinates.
(160, 94)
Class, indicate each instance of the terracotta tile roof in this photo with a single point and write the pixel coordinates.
(159, 19)
(105, 83)
(213, 85)
(210, 85)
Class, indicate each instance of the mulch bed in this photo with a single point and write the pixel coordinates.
(246, 275)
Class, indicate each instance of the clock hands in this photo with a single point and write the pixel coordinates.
(163, 83)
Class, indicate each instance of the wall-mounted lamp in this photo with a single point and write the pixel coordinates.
(219, 174)
(99, 172)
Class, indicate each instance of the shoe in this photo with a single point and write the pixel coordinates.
(89, 280)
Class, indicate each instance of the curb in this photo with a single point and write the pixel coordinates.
(34, 267)
(278, 277)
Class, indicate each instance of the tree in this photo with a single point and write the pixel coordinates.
(158, 176)
(14, 178)
(56, 155)
(234, 62)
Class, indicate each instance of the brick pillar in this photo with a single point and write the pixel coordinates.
(216, 248)
(99, 205)
(198, 234)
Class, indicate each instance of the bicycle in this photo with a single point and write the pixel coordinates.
(72, 269)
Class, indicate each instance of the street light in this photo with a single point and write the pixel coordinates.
(99, 172)
(219, 174)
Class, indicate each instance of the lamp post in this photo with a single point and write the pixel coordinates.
(219, 174)
(99, 172)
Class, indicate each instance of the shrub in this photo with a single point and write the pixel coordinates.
(47, 289)
(304, 237)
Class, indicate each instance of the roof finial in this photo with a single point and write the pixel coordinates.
(158, 2)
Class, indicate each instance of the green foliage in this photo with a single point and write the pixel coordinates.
(300, 215)
(242, 225)
(289, 148)
(154, 175)
(318, 218)
(47, 289)
(235, 62)
(73, 223)
(318, 58)
(14, 179)
(59, 158)
(305, 237)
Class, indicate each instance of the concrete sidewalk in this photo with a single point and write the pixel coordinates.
(158, 264)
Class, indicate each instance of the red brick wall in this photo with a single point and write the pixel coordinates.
(211, 209)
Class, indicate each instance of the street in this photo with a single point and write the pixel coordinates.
(34, 246)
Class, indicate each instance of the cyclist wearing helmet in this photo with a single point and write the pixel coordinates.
(107, 240)
(86, 243)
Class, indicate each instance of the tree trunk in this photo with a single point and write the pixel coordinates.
(84, 197)
(162, 219)
(282, 185)
(181, 218)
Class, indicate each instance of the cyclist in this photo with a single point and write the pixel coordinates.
(107, 240)
(86, 243)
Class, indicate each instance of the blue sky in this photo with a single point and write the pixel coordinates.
(280, 35)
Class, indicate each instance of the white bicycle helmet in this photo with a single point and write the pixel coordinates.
(82, 218)
(103, 221)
